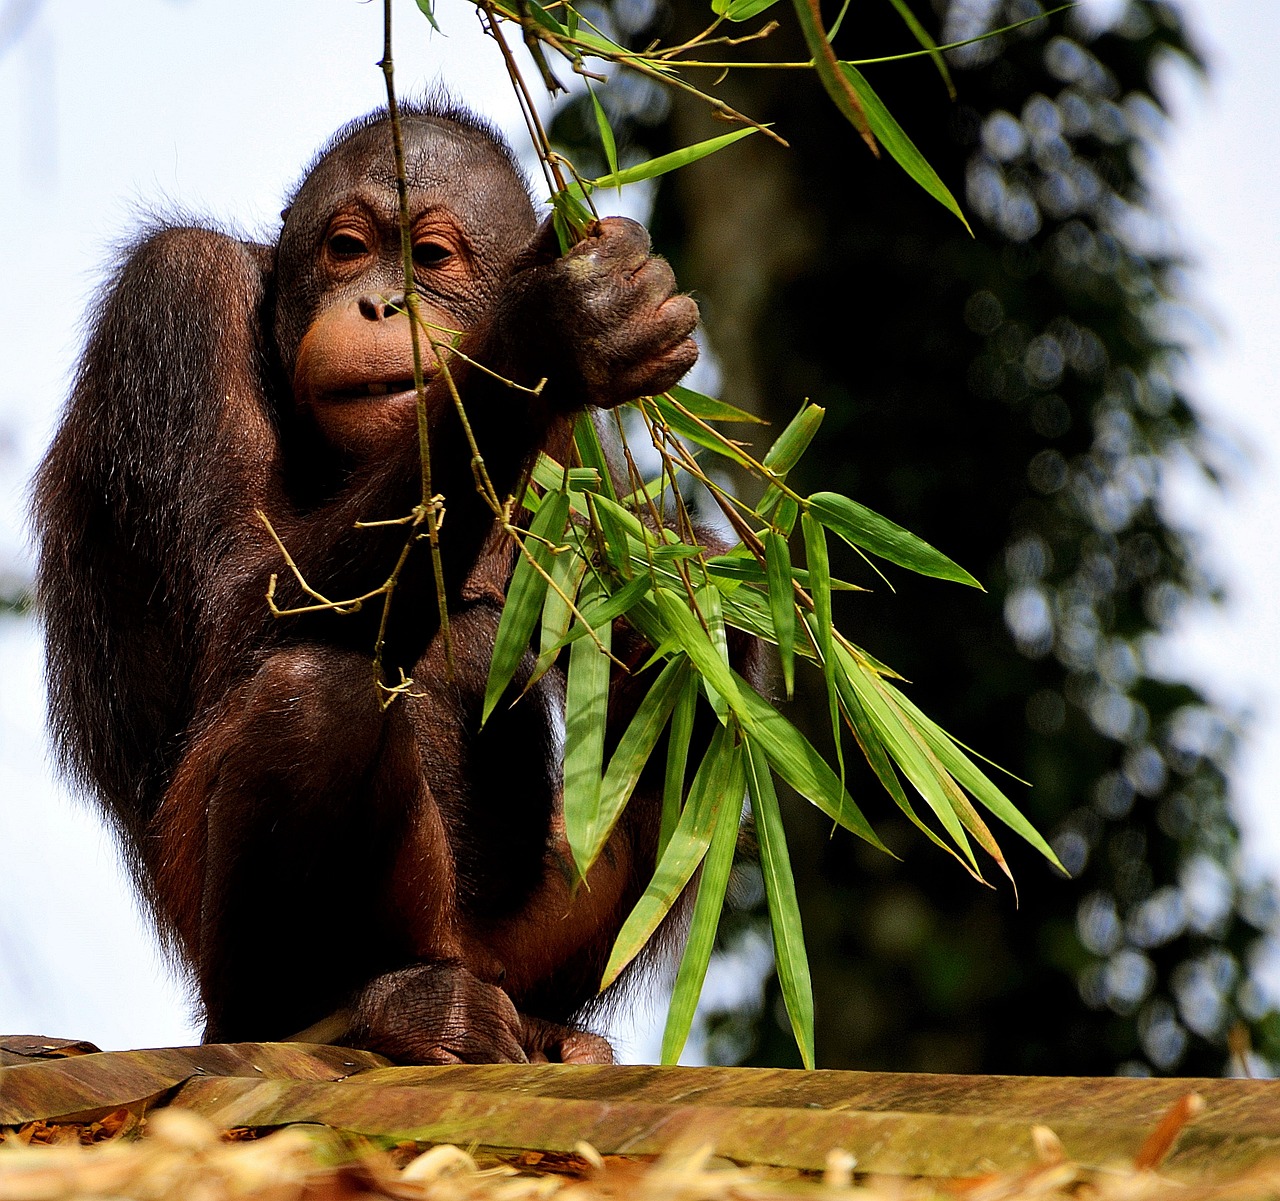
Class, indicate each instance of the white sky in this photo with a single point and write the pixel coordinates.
(111, 111)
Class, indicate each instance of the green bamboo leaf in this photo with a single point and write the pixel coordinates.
(785, 453)
(706, 912)
(784, 910)
(677, 757)
(794, 759)
(688, 845)
(910, 754)
(428, 9)
(873, 748)
(861, 527)
(740, 10)
(551, 476)
(709, 605)
(628, 761)
(691, 431)
(670, 162)
(617, 546)
(524, 599)
(694, 641)
(782, 604)
(896, 142)
(843, 95)
(617, 605)
(921, 35)
(741, 566)
(820, 624)
(586, 712)
(606, 132)
(970, 776)
(567, 573)
(709, 408)
(587, 440)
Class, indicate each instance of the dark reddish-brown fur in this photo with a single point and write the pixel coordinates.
(305, 850)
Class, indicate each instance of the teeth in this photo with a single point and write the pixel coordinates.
(377, 389)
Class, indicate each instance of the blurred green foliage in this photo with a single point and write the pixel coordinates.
(1013, 398)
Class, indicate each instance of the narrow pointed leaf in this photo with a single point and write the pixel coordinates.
(785, 453)
(680, 423)
(744, 567)
(782, 604)
(688, 845)
(861, 527)
(970, 776)
(909, 753)
(607, 139)
(706, 912)
(795, 760)
(586, 711)
(789, 953)
(693, 640)
(677, 757)
(709, 408)
(895, 141)
(921, 34)
(617, 605)
(842, 93)
(428, 9)
(587, 439)
(709, 605)
(877, 756)
(815, 546)
(524, 599)
(567, 573)
(629, 759)
(670, 162)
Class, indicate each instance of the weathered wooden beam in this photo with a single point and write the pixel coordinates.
(925, 1125)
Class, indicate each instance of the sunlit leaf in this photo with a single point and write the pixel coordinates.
(695, 642)
(524, 598)
(970, 776)
(785, 453)
(743, 566)
(567, 572)
(664, 163)
(684, 425)
(895, 141)
(789, 953)
(688, 845)
(709, 408)
(706, 911)
(910, 754)
(861, 527)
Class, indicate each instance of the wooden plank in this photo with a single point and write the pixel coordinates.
(930, 1125)
(88, 1086)
(892, 1123)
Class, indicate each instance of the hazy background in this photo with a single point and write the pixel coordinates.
(214, 110)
